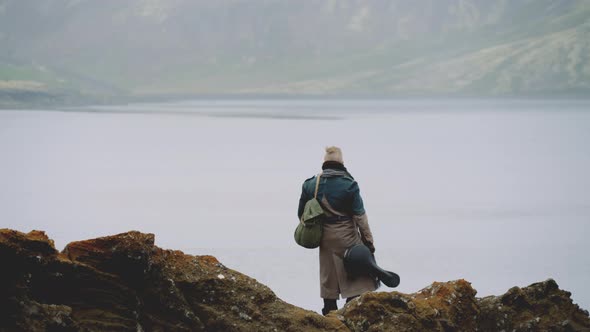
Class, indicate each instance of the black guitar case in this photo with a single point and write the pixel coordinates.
(358, 260)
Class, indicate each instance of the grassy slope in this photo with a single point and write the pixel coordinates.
(532, 56)
(533, 50)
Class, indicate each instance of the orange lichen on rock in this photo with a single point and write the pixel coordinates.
(125, 283)
(208, 260)
(40, 236)
(441, 306)
(32, 243)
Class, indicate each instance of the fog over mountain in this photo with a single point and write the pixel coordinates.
(317, 47)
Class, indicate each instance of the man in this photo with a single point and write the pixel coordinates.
(345, 225)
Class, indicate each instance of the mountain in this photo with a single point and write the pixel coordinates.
(126, 283)
(317, 47)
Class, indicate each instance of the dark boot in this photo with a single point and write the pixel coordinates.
(329, 305)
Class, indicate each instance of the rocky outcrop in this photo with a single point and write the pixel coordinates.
(125, 283)
(539, 307)
(452, 306)
(449, 306)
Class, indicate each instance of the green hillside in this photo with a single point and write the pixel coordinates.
(112, 48)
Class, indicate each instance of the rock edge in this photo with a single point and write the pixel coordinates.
(126, 283)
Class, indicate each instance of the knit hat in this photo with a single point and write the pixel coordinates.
(333, 153)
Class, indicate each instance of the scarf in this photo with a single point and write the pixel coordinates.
(333, 169)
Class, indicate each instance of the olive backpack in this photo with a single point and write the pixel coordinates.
(308, 233)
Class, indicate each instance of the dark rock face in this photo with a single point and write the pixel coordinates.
(452, 306)
(125, 283)
(539, 307)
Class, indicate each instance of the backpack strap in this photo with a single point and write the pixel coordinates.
(317, 185)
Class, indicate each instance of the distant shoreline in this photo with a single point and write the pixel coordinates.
(56, 101)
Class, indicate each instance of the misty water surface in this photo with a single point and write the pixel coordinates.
(496, 192)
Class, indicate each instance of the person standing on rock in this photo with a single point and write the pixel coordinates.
(345, 225)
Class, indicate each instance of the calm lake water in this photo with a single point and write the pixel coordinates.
(496, 192)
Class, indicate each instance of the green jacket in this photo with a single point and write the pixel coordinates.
(340, 190)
